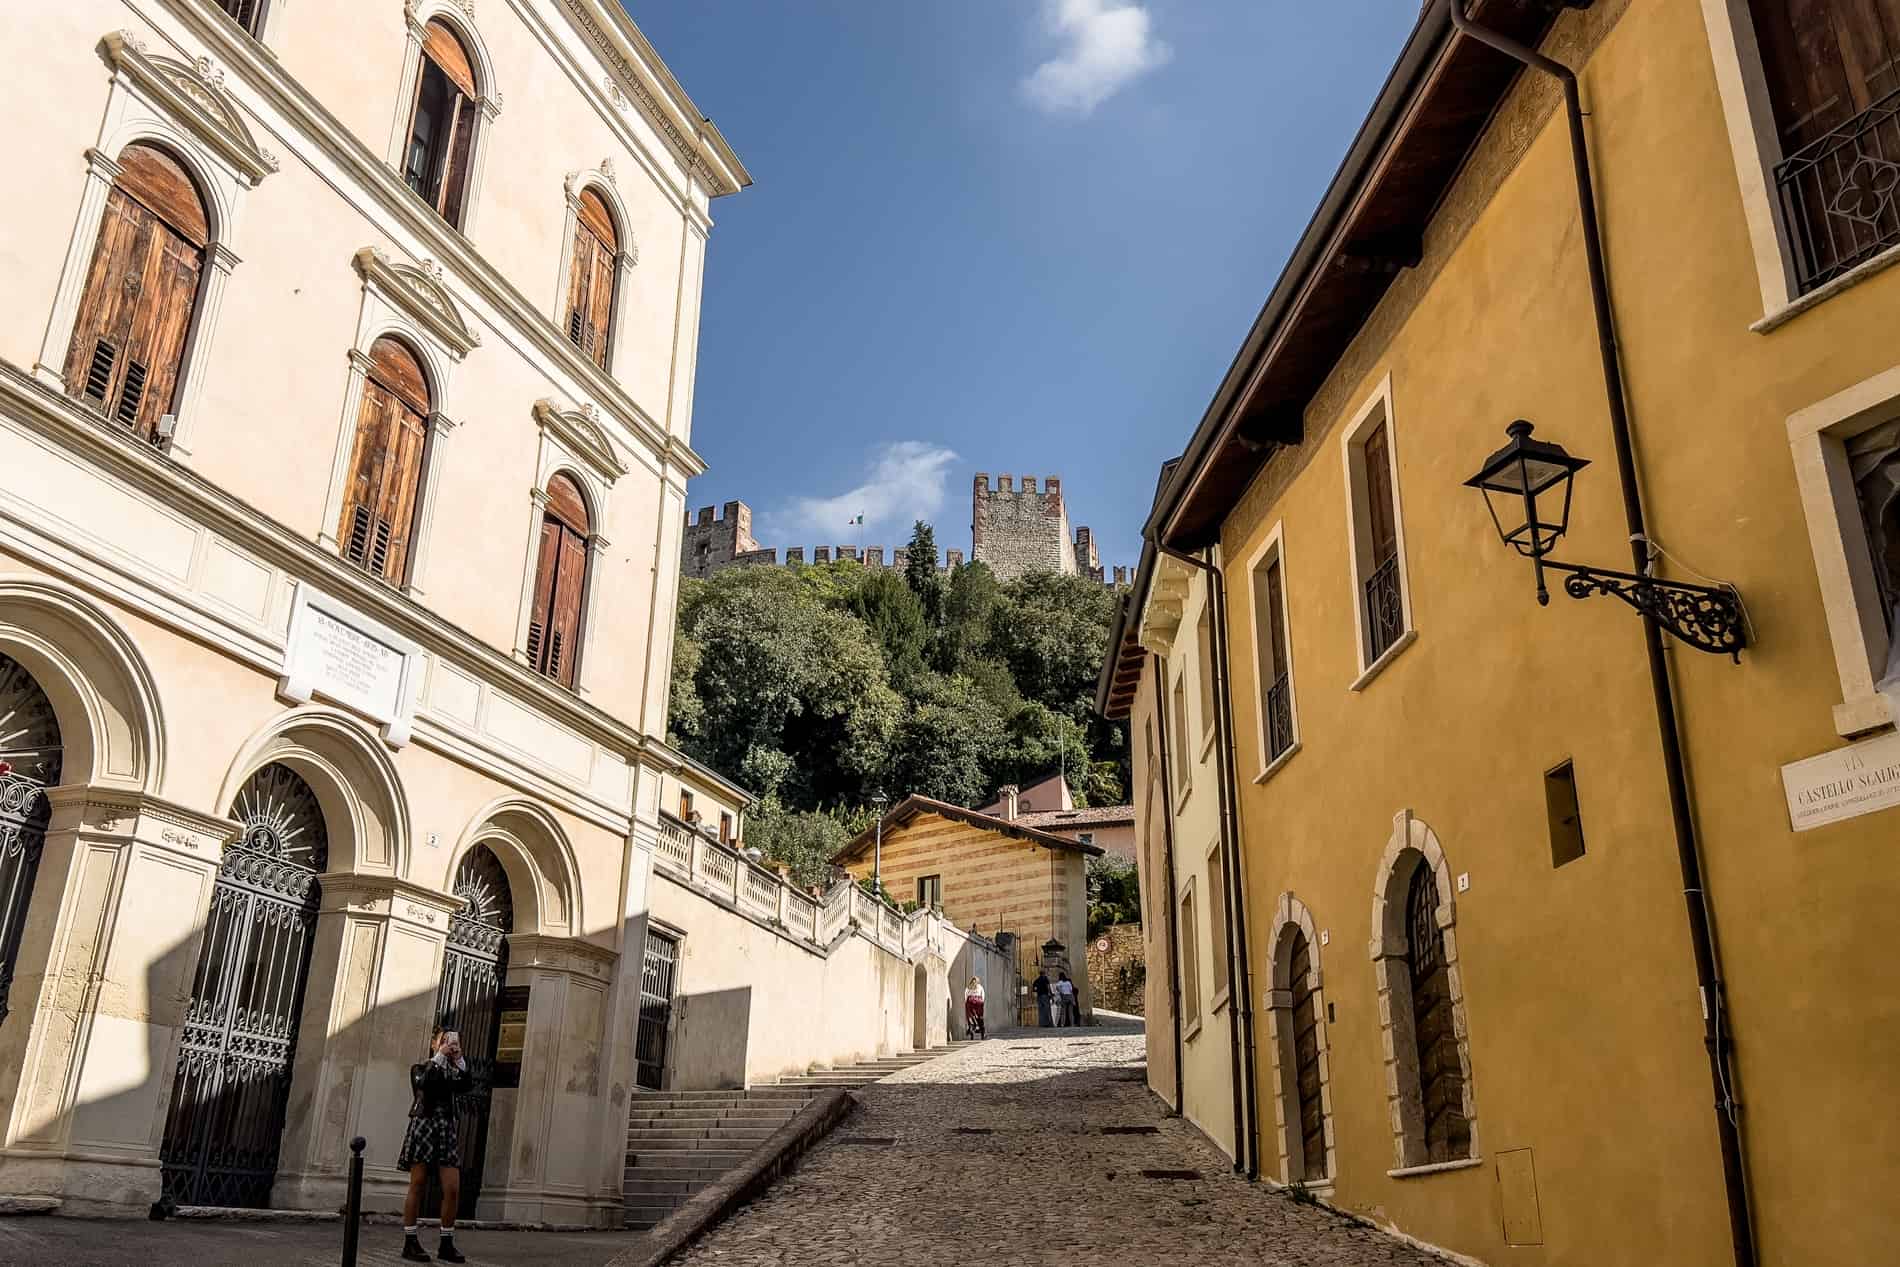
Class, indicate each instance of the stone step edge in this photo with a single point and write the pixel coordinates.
(239, 1214)
(714, 1203)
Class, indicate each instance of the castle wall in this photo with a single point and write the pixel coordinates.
(1017, 532)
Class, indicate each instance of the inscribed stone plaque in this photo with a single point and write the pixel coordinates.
(1844, 783)
(352, 667)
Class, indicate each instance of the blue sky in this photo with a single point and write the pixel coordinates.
(1013, 236)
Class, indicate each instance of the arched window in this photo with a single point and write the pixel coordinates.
(1441, 1079)
(560, 583)
(442, 123)
(379, 499)
(129, 339)
(590, 288)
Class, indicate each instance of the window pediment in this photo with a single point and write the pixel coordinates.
(582, 437)
(194, 97)
(415, 291)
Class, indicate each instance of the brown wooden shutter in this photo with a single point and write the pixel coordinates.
(441, 46)
(461, 157)
(129, 336)
(580, 281)
(379, 504)
(560, 584)
(1441, 1077)
(1306, 1059)
(540, 612)
(601, 299)
(591, 282)
(1379, 509)
(564, 627)
(1826, 61)
(1276, 619)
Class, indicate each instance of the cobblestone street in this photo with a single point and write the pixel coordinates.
(999, 1156)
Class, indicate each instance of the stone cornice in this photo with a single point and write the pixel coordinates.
(121, 453)
(419, 293)
(560, 954)
(105, 808)
(644, 78)
(578, 431)
(195, 97)
(443, 244)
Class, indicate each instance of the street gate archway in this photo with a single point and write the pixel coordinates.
(474, 966)
(30, 758)
(226, 1121)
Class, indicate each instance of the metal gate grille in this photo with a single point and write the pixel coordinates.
(227, 1111)
(1441, 1079)
(474, 966)
(1306, 1060)
(29, 764)
(656, 1009)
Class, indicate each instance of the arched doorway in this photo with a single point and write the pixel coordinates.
(30, 755)
(1294, 1006)
(226, 1121)
(474, 966)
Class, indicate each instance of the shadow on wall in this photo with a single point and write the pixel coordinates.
(708, 1038)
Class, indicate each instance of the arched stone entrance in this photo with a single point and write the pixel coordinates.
(474, 967)
(226, 1121)
(30, 759)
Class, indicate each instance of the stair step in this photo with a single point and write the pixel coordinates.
(642, 1217)
(724, 1157)
(690, 1137)
(652, 1191)
(673, 1174)
(742, 1113)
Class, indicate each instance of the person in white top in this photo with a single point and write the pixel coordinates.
(973, 1009)
(1065, 998)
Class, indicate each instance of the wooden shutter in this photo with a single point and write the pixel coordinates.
(379, 503)
(580, 281)
(461, 157)
(129, 337)
(1826, 61)
(564, 625)
(1441, 1080)
(591, 282)
(541, 609)
(1276, 620)
(560, 584)
(1379, 510)
(441, 46)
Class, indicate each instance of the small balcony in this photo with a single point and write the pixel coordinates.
(1838, 195)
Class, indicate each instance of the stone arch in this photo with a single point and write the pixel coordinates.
(101, 690)
(538, 858)
(1411, 846)
(364, 808)
(216, 196)
(1292, 922)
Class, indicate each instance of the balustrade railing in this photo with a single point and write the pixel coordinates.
(675, 847)
(1279, 716)
(1840, 195)
(761, 891)
(1385, 609)
(801, 915)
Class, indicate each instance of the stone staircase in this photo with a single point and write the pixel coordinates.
(680, 1141)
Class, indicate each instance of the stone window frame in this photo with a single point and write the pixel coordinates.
(1190, 961)
(1742, 84)
(1289, 913)
(185, 110)
(1413, 844)
(572, 443)
(267, 28)
(1177, 719)
(1352, 442)
(602, 180)
(1843, 558)
(1271, 551)
(1204, 673)
(459, 17)
(1220, 930)
(407, 302)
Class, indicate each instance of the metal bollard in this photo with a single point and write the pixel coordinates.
(353, 1212)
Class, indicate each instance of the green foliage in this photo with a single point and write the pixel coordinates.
(817, 686)
(1114, 893)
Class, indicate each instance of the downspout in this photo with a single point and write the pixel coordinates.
(1715, 1034)
(1240, 991)
(1173, 898)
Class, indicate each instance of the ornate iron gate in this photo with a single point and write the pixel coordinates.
(469, 1001)
(656, 1009)
(227, 1111)
(29, 764)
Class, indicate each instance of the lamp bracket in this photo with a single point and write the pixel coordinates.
(1706, 617)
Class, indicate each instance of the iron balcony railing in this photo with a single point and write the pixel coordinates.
(1279, 717)
(1385, 609)
(1838, 195)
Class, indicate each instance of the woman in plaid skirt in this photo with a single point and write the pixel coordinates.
(432, 1140)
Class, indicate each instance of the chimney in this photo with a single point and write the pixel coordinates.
(1007, 794)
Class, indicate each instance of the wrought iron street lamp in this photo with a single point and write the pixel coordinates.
(1527, 486)
(877, 854)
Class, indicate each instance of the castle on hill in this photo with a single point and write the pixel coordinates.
(1014, 531)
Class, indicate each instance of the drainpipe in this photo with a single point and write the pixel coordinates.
(1715, 1032)
(1172, 897)
(1239, 978)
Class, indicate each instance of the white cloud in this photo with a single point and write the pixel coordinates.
(905, 483)
(1109, 43)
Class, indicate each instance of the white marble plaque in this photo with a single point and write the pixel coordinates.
(342, 655)
(1844, 783)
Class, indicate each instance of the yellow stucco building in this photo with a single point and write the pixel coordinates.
(1469, 999)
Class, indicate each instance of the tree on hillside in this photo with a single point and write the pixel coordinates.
(920, 572)
(1052, 631)
(946, 744)
(895, 617)
(969, 601)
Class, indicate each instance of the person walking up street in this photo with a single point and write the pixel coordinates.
(1065, 995)
(433, 1139)
(973, 1010)
(1042, 1000)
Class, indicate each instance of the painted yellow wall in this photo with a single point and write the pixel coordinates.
(1585, 1029)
